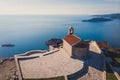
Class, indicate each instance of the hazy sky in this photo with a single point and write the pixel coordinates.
(59, 6)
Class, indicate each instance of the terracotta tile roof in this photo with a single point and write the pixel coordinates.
(71, 39)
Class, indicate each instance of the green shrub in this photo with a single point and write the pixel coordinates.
(109, 73)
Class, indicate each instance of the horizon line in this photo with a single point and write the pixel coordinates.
(64, 14)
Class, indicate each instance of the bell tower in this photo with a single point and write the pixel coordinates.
(70, 30)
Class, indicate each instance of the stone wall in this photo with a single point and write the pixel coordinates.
(51, 48)
(80, 52)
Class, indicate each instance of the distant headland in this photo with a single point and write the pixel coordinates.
(97, 20)
(111, 16)
(103, 18)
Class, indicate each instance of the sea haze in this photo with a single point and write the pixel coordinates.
(31, 32)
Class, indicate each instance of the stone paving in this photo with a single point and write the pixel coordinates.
(50, 65)
(58, 63)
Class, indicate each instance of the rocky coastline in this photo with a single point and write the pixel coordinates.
(8, 69)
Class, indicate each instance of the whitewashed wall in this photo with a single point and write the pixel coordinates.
(67, 47)
(94, 47)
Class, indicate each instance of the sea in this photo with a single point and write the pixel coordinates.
(30, 32)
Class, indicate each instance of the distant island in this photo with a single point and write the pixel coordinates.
(111, 16)
(103, 18)
(7, 45)
(97, 20)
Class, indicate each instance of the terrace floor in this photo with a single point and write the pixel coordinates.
(57, 63)
(48, 65)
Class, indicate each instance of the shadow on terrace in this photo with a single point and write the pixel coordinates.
(94, 60)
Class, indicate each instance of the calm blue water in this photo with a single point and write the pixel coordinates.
(31, 32)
